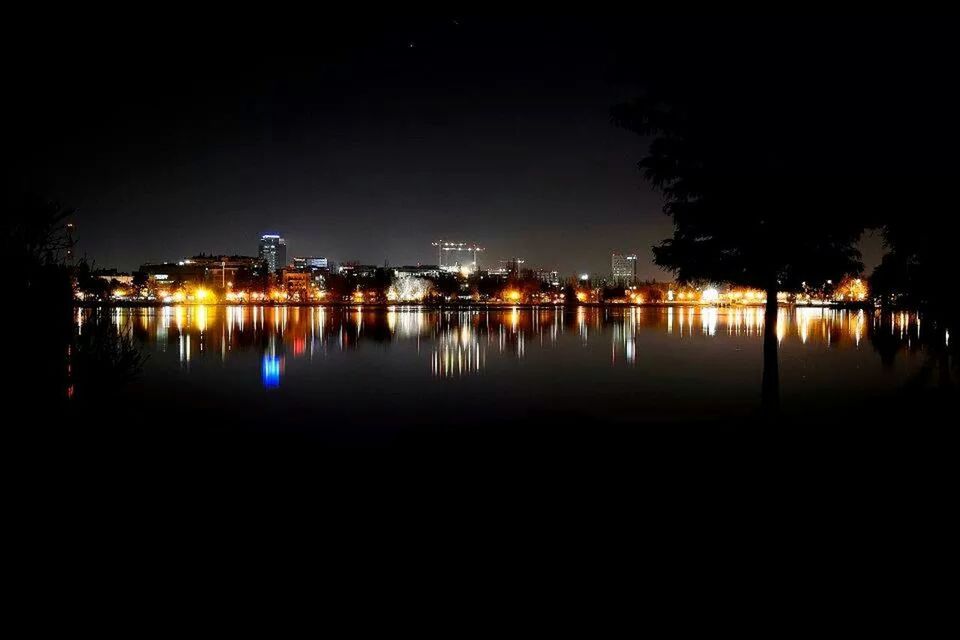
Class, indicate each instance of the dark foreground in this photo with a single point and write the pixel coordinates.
(897, 442)
(725, 517)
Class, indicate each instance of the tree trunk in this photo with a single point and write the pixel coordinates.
(770, 390)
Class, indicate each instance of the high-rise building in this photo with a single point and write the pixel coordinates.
(624, 269)
(273, 251)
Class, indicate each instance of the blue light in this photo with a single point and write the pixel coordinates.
(270, 372)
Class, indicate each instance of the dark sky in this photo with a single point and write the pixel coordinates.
(357, 139)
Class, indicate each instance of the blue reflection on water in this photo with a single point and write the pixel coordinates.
(270, 372)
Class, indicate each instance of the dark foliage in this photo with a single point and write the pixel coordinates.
(35, 246)
(103, 359)
(35, 242)
(774, 151)
(56, 364)
(920, 269)
(751, 157)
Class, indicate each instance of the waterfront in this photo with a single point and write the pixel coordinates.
(358, 374)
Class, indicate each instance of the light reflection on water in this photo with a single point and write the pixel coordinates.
(675, 352)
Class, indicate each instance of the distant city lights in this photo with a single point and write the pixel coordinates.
(269, 278)
(710, 295)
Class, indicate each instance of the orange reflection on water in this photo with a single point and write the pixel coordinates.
(457, 342)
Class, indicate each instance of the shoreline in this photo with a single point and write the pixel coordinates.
(460, 305)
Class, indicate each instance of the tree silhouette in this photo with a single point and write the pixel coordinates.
(35, 241)
(920, 269)
(754, 164)
(53, 362)
(35, 244)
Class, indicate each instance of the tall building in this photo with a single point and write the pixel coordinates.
(273, 251)
(624, 269)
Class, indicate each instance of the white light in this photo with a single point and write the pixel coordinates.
(711, 295)
(408, 289)
(584, 277)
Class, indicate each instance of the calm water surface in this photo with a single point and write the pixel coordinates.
(367, 373)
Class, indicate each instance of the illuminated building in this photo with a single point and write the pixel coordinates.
(548, 277)
(226, 270)
(624, 269)
(512, 266)
(273, 251)
(109, 275)
(295, 281)
(357, 270)
(310, 262)
(418, 271)
(314, 271)
(174, 274)
(217, 271)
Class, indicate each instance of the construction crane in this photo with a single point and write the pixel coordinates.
(446, 246)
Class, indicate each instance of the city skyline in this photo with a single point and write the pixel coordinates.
(543, 239)
(272, 250)
(871, 246)
(360, 147)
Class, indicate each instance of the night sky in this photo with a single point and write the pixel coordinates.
(356, 139)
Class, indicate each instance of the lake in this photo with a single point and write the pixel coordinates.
(370, 374)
